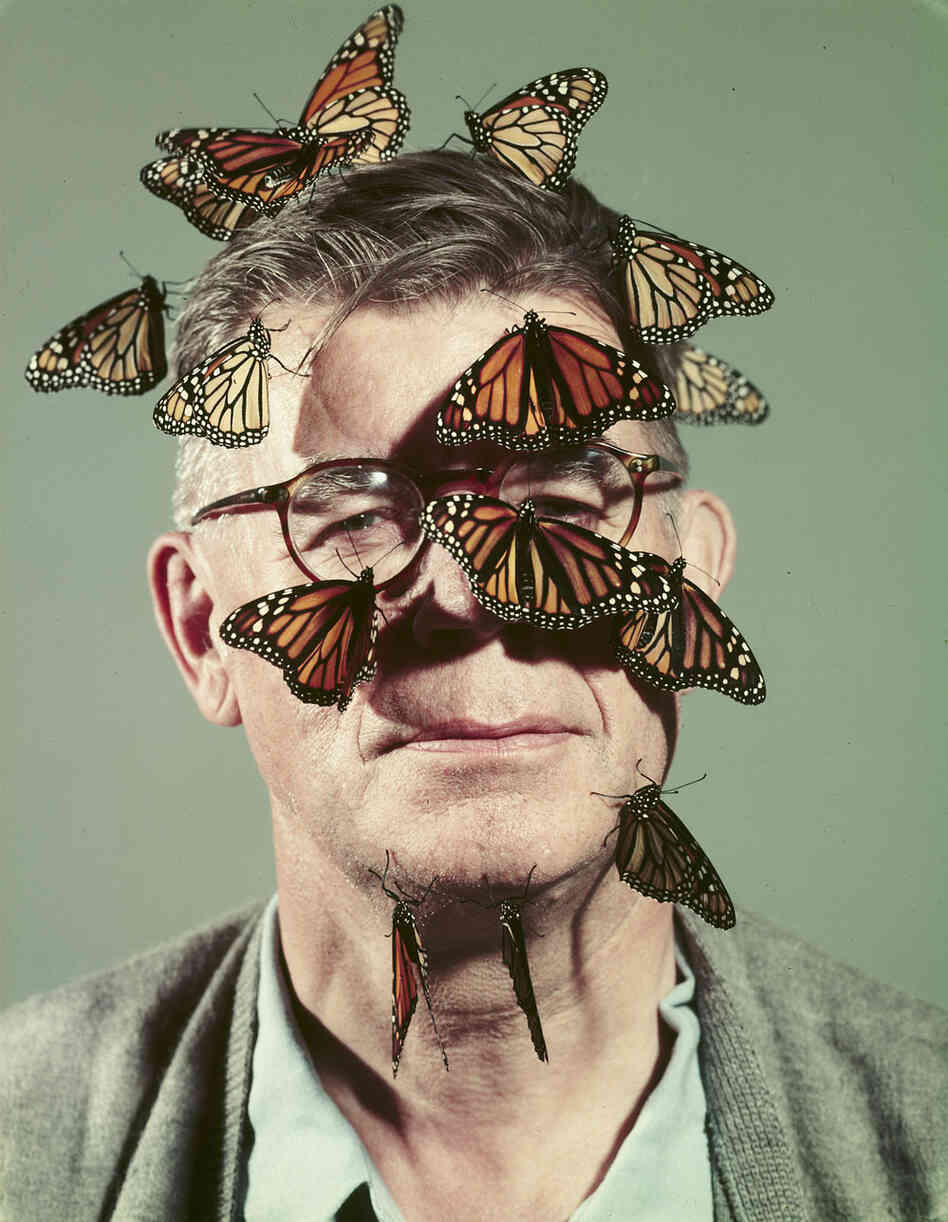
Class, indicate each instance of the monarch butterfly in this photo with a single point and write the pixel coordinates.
(540, 386)
(351, 115)
(117, 347)
(709, 391)
(534, 129)
(673, 287)
(658, 856)
(225, 398)
(694, 645)
(408, 956)
(547, 572)
(321, 634)
(181, 180)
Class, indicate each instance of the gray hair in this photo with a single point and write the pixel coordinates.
(428, 226)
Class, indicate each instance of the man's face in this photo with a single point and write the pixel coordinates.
(477, 745)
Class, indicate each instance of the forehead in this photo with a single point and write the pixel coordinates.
(375, 387)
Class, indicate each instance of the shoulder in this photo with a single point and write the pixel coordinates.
(856, 1070)
(80, 1066)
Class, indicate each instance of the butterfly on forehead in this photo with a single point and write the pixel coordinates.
(692, 645)
(352, 115)
(117, 347)
(534, 130)
(673, 286)
(541, 386)
(322, 635)
(409, 965)
(658, 856)
(708, 390)
(543, 570)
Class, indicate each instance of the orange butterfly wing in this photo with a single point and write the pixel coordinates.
(710, 391)
(178, 180)
(542, 386)
(117, 347)
(322, 635)
(673, 287)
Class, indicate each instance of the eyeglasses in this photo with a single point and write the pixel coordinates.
(342, 516)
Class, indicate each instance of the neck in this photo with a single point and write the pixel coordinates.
(601, 958)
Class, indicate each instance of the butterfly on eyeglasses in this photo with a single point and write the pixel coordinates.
(541, 386)
(408, 958)
(181, 180)
(117, 347)
(226, 398)
(658, 856)
(710, 391)
(322, 635)
(673, 287)
(352, 115)
(548, 572)
(693, 645)
(535, 129)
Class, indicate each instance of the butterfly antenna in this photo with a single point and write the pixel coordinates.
(276, 121)
(685, 784)
(597, 794)
(342, 562)
(129, 263)
(526, 887)
(711, 576)
(382, 877)
(638, 769)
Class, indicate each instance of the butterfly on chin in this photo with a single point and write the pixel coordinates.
(117, 347)
(541, 570)
(541, 386)
(409, 965)
(322, 635)
(658, 857)
(673, 286)
(693, 645)
(534, 130)
(352, 115)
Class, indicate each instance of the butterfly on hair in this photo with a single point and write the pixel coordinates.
(409, 964)
(117, 347)
(352, 115)
(534, 130)
(672, 287)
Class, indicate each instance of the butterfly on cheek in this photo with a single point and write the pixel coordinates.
(226, 398)
(542, 570)
(409, 966)
(541, 386)
(322, 635)
(352, 115)
(693, 645)
(658, 857)
(534, 130)
(117, 347)
(673, 286)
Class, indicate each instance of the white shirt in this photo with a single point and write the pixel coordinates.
(306, 1159)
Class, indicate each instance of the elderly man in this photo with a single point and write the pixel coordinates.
(242, 1072)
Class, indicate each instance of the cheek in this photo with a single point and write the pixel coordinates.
(640, 722)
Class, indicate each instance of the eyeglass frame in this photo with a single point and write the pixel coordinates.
(279, 496)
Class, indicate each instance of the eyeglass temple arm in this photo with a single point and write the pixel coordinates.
(273, 495)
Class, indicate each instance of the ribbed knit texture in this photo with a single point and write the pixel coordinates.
(124, 1096)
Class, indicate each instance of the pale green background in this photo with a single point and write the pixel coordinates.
(806, 139)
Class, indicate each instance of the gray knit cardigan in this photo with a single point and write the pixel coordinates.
(124, 1096)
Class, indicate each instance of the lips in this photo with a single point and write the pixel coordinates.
(532, 727)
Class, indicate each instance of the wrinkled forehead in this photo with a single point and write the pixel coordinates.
(372, 390)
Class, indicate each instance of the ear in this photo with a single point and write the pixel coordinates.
(183, 606)
(708, 540)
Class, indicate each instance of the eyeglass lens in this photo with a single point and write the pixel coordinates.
(343, 519)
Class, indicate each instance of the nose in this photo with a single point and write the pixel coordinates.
(442, 610)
